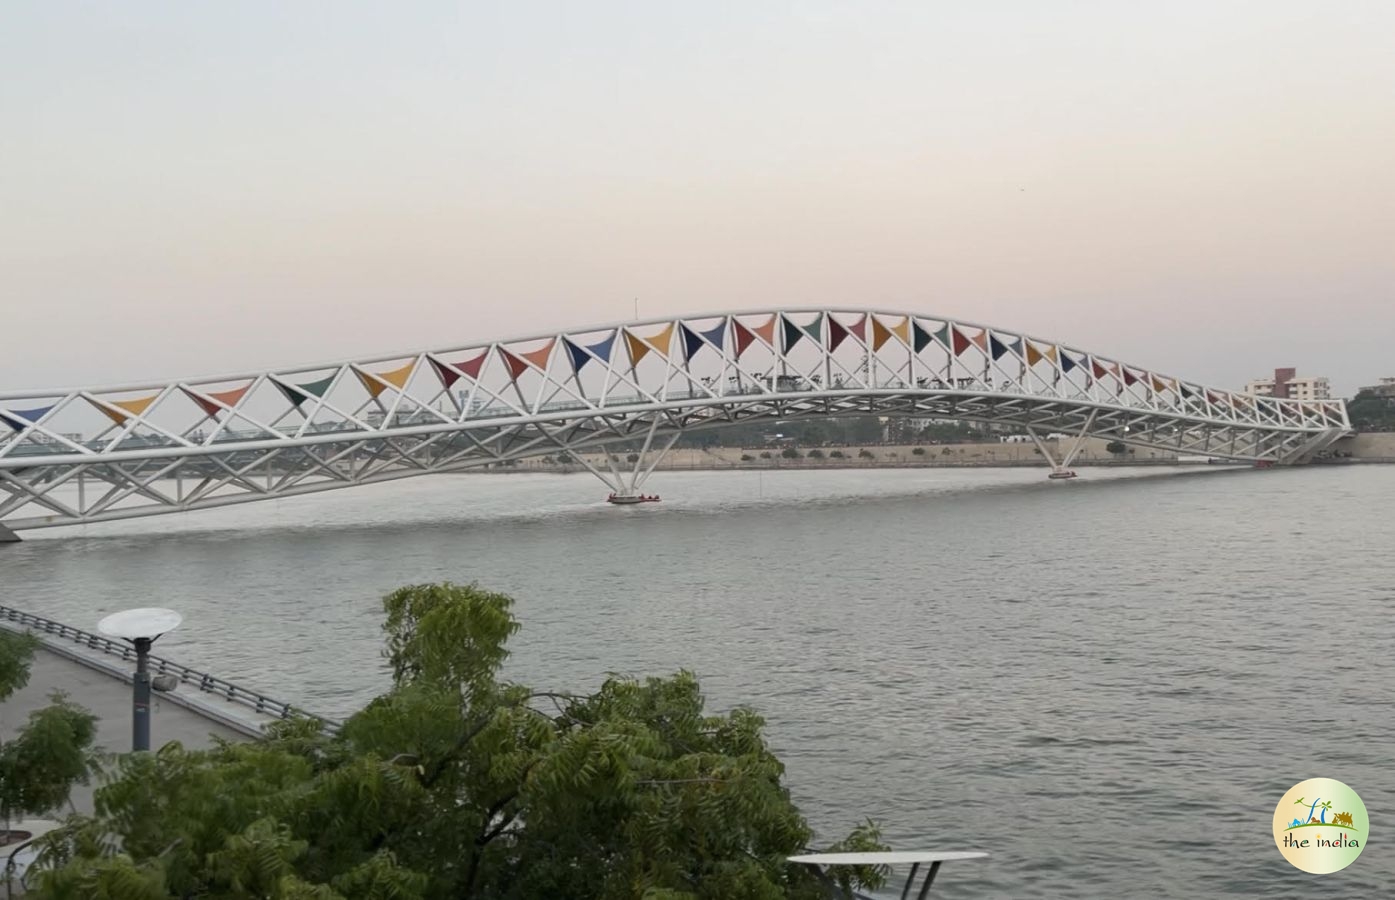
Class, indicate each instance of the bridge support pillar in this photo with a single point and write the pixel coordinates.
(7, 536)
(625, 487)
(1061, 468)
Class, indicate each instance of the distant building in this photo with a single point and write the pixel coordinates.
(1383, 388)
(1288, 385)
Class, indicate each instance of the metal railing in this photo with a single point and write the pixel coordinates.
(208, 684)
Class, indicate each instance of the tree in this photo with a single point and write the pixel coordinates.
(16, 655)
(790, 453)
(815, 454)
(1370, 411)
(53, 750)
(455, 783)
(1116, 448)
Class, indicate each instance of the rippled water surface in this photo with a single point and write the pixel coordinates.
(1107, 684)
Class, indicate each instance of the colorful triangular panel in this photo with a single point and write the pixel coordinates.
(837, 333)
(716, 335)
(209, 402)
(920, 337)
(578, 356)
(662, 341)
(638, 348)
(790, 333)
(128, 408)
(19, 419)
(516, 366)
(691, 342)
(743, 335)
(766, 332)
(880, 333)
(603, 348)
(540, 356)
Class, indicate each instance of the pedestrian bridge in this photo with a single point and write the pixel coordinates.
(100, 453)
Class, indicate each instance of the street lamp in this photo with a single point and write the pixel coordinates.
(142, 627)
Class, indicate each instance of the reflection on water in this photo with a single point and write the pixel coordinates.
(1105, 683)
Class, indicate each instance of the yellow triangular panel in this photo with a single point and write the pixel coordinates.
(1033, 354)
(134, 407)
(661, 341)
(903, 331)
(373, 382)
(638, 348)
(880, 334)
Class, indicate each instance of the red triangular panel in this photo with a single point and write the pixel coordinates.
(961, 342)
(743, 337)
(516, 366)
(836, 333)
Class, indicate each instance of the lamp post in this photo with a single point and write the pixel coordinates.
(142, 627)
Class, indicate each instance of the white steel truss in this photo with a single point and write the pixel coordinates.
(97, 454)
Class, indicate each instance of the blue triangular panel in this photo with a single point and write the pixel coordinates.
(1067, 363)
(578, 356)
(13, 417)
(996, 347)
(691, 342)
(716, 335)
(602, 350)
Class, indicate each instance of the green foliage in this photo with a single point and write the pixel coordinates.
(765, 454)
(1369, 411)
(1117, 448)
(864, 454)
(51, 753)
(815, 454)
(917, 451)
(16, 655)
(837, 454)
(790, 453)
(457, 784)
(746, 457)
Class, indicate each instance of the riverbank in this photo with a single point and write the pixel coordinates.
(1361, 448)
(865, 456)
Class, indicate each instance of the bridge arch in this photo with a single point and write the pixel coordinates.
(94, 454)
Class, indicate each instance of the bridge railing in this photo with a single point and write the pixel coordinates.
(208, 684)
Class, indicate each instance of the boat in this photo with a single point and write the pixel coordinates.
(631, 499)
(1062, 473)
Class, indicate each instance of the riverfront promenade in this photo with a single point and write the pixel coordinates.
(110, 700)
(101, 683)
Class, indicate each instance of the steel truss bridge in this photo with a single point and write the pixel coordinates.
(104, 453)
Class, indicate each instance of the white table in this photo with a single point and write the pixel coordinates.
(820, 861)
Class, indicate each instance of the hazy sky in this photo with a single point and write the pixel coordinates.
(1206, 188)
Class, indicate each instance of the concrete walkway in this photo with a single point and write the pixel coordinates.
(109, 699)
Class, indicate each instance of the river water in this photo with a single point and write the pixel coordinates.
(1107, 684)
